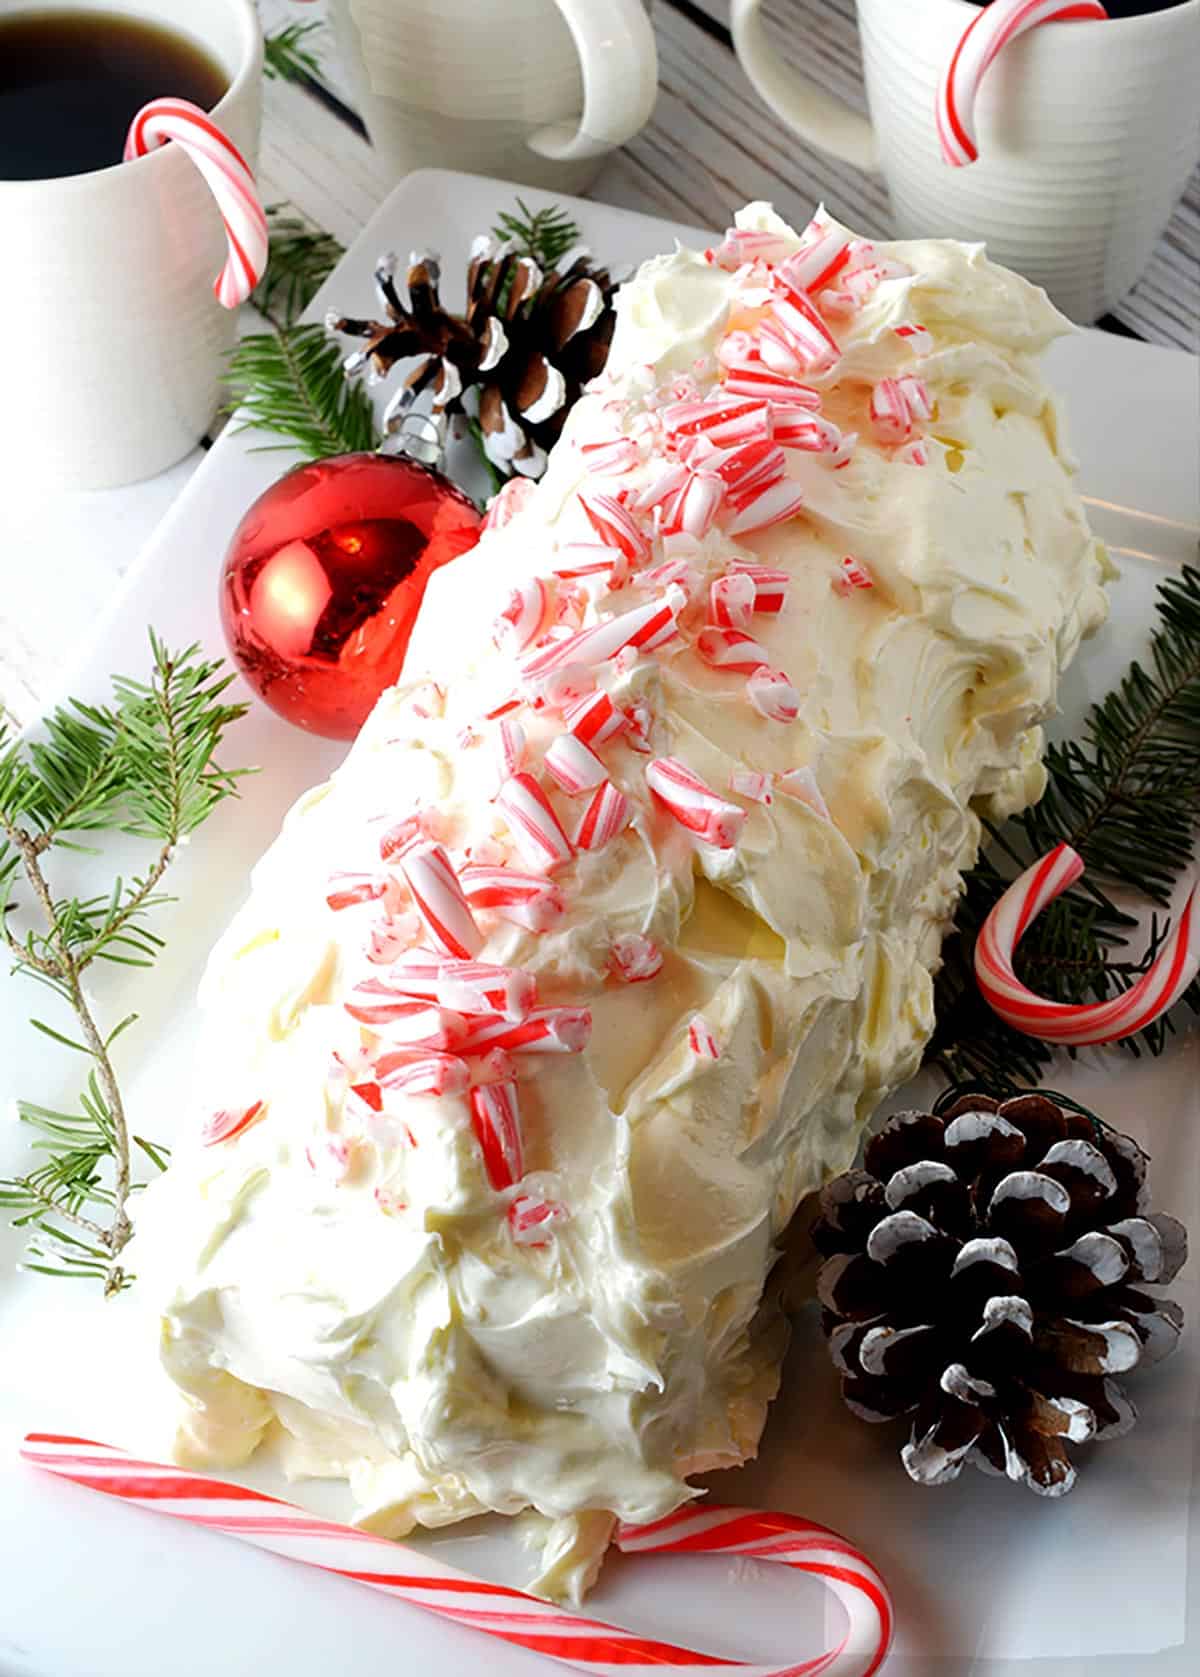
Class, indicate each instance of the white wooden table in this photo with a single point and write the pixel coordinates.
(710, 145)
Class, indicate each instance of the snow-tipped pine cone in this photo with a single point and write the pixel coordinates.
(983, 1272)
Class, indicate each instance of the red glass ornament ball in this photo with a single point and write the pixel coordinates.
(324, 576)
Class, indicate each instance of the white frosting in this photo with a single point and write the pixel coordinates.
(404, 1340)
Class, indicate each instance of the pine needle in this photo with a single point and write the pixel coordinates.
(291, 383)
(287, 57)
(544, 235)
(143, 765)
(1126, 796)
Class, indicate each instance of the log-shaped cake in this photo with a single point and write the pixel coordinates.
(594, 958)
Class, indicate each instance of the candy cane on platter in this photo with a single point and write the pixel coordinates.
(542, 1627)
(229, 179)
(987, 34)
(1076, 1024)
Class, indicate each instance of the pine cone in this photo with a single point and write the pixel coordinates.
(983, 1273)
(528, 343)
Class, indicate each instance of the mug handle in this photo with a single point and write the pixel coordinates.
(615, 43)
(816, 117)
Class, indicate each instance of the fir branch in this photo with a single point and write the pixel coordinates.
(545, 235)
(286, 55)
(1126, 796)
(143, 766)
(291, 383)
(300, 260)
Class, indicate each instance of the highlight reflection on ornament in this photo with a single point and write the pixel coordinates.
(324, 577)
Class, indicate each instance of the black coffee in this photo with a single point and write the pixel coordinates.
(1122, 8)
(71, 82)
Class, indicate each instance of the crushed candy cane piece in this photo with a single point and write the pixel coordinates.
(770, 587)
(607, 814)
(748, 783)
(506, 503)
(467, 986)
(347, 890)
(390, 936)
(916, 396)
(496, 1121)
(694, 506)
(890, 418)
(772, 695)
(510, 748)
(536, 829)
(914, 453)
(547, 1030)
(731, 601)
(403, 1019)
(615, 525)
(774, 505)
(440, 900)
(917, 338)
(694, 804)
(854, 575)
(804, 332)
(526, 899)
(611, 456)
(742, 244)
(574, 765)
(730, 649)
(424, 1074)
(635, 958)
(523, 617)
(701, 1041)
(639, 719)
(802, 784)
(823, 252)
(595, 718)
(531, 1219)
(646, 626)
(230, 1122)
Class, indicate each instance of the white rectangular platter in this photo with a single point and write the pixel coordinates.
(986, 1578)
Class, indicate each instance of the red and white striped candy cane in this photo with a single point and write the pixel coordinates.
(498, 1610)
(731, 601)
(915, 337)
(755, 474)
(441, 901)
(496, 1121)
(774, 505)
(854, 574)
(690, 419)
(531, 1219)
(743, 244)
(506, 503)
(615, 525)
(423, 1074)
(229, 179)
(823, 253)
(230, 1121)
(891, 420)
(749, 783)
(772, 695)
(694, 804)
(667, 481)
(574, 765)
(610, 457)
(607, 814)
(523, 616)
(730, 649)
(988, 33)
(693, 508)
(1079, 1024)
(510, 748)
(536, 829)
(584, 559)
(466, 986)
(526, 899)
(770, 587)
(634, 958)
(645, 627)
(810, 432)
(347, 890)
(595, 719)
(547, 1030)
(404, 1019)
(402, 834)
(803, 331)
(751, 376)
(701, 1041)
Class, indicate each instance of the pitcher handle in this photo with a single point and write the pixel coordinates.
(619, 60)
(814, 115)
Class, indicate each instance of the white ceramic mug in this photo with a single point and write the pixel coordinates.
(1087, 134)
(112, 345)
(537, 91)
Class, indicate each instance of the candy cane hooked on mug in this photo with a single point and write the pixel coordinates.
(988, 32)
(512, 1616)
(230, 180)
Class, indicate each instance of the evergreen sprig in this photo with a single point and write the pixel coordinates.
(291, 383)
(144, 766)
(544, 235)
(300, 260)
(287, 55)
(1126, 796)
